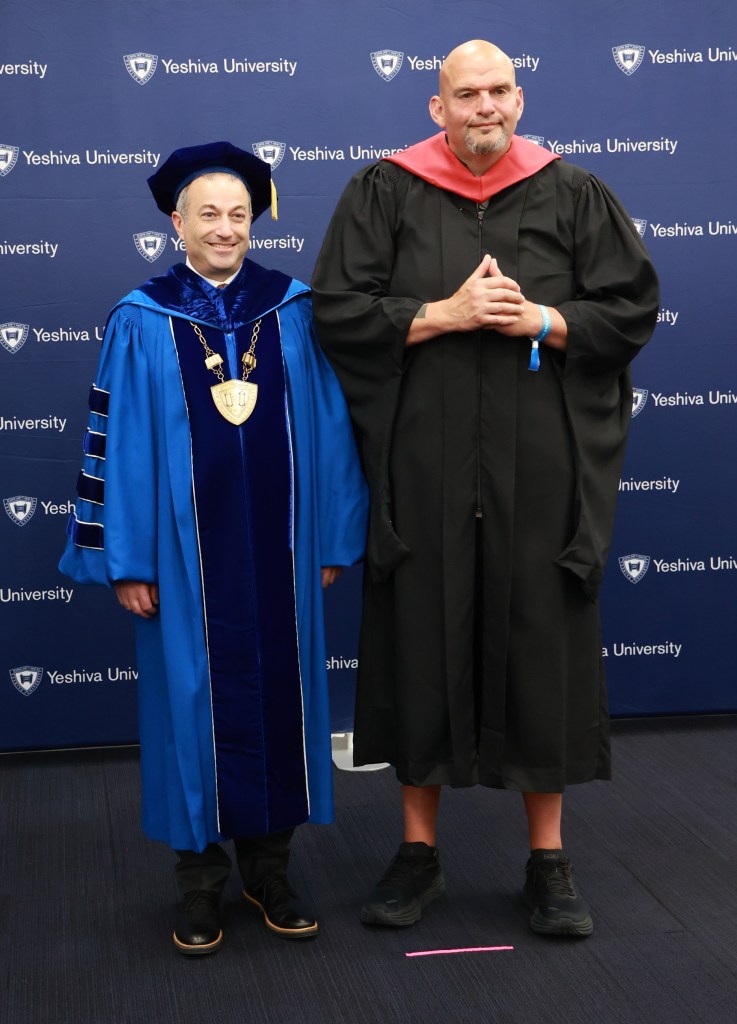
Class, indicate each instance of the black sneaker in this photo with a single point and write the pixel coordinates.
(550, 892)
(412, 880)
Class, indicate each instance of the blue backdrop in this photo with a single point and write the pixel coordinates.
(96, 93)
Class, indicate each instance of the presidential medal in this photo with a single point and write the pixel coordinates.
(235, 400)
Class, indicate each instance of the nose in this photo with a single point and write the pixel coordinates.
(486, 103)
(222, 227)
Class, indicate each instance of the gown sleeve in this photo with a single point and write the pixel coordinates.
(111, 534)
(329, 522)
(363, 329)
(611, 318)
(327, 469)
(361, 326)
(616, 305)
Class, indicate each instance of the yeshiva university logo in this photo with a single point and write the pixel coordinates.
(141, 66)
(13, 336)
(20, 508)
(634, 567)
(270, 152)
(639, 398)
(387, 63)
(8, 156)
(628, 57)
(150, 244)
(26, 678)
(641, 225)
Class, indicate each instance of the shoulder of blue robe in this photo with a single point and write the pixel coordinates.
(254, 292)
(331, 512)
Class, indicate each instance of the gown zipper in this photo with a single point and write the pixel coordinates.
(481, 209)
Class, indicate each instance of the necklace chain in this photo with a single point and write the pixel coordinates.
(214, 362)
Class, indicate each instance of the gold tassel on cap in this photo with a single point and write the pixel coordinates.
(274, 212)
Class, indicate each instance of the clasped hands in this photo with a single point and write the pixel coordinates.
(489, 300)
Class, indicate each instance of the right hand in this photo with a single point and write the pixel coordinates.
(487, 299)
(140, 598)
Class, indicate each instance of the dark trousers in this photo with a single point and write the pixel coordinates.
(258, 858)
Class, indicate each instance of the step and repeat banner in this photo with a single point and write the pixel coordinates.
(97, 93)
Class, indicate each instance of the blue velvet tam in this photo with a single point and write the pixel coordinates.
(184, 165)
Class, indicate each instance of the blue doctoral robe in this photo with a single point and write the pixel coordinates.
(143, 514)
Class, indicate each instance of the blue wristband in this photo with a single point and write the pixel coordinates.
(544, 331)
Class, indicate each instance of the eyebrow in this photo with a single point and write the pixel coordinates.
(499, 83)
(213, 206)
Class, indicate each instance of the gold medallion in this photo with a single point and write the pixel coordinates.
(235, 400)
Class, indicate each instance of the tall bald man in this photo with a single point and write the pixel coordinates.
(480, 301)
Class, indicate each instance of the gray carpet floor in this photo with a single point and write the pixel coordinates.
(87, 903)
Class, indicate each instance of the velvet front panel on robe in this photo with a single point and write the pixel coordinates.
(242, 481)
(493, 488)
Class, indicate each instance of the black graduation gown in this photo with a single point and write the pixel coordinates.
(493, 488)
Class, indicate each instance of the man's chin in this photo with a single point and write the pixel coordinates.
(485, 144)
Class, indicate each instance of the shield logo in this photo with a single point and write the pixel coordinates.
(8, 156)
(235, 400)
(150, 244)
(141, 66)
(628, 57)
(26, 678)
(270, 152)
(634, 567)
(641, 225)
(387, 63)
(20, 508)
(13, 336)
(639, 397)
(537, 139)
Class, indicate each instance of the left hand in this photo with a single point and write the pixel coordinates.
(527, 312)
(330, 573)
(528, 323)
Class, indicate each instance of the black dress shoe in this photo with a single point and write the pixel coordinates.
(198, 929)
(281, 909)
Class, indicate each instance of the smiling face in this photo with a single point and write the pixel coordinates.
(213, 223)
(479, 104)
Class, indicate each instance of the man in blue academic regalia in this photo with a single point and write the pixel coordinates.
(220, 488)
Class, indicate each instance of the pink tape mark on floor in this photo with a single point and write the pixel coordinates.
(470, 949)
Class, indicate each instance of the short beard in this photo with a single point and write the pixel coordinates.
(483, 147)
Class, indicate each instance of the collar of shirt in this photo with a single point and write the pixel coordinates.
(215, 284)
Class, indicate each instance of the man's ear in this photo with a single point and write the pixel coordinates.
(437, 112)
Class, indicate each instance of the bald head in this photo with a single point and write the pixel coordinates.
(474, 56)
(479, 103)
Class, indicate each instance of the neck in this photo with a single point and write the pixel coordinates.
(211, 280)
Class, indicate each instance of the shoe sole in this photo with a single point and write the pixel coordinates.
(200, 949)
(561, 926)
(411, 913)
(285, 933)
